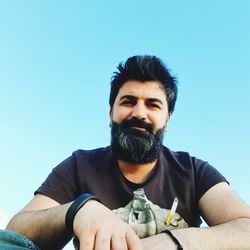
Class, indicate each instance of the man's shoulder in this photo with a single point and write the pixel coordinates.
(182, 159)
(101, 150)
(96, 154)
(176, 154)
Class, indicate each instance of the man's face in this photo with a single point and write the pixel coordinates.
(139, 117)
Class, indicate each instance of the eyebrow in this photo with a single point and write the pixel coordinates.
(133, 98)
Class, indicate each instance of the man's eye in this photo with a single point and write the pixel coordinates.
(126, 103)
(153, 105)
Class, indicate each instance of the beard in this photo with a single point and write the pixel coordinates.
(136, 146)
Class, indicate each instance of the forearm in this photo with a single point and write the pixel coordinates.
(46, 228)
(230, 235)
(95, 226)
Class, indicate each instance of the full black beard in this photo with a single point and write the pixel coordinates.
(134, 146)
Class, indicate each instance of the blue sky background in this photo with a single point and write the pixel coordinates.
(56, 60)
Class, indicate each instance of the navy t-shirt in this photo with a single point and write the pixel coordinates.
(177, 174)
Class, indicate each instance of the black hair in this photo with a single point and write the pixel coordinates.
(144, 68)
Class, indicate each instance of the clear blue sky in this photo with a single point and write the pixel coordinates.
(56, 60)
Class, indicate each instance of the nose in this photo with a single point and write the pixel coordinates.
(139, 111)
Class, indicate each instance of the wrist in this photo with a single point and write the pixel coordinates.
(77, 204)
(174, 239)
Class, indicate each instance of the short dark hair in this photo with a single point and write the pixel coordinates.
(144, 68)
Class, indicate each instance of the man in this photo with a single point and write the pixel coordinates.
(131, 194)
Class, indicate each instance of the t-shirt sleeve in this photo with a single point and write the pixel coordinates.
(206, 176)
(61, 184)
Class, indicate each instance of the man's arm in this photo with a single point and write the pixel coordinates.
(227, 216)
(96, 227)
(42, 222)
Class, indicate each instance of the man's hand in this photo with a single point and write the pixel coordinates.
(97, 227)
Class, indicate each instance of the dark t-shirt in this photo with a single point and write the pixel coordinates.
(176, 174)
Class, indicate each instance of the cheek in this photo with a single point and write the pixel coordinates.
(159, 120)
(119, 114)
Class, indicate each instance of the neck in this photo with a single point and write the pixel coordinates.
(136, 173)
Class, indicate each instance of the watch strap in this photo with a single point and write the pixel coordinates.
(78, 203)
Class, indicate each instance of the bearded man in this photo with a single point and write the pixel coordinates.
(136, 193)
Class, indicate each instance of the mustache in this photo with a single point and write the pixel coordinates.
(137, 123)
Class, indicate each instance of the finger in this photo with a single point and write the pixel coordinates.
(87, 242)
(133, 241)
(118, 242)
(102, 241)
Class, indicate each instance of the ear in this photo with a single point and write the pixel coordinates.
(110, 112)
(167, 122)
(110, 116)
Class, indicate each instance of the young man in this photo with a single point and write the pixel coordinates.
(131, 194)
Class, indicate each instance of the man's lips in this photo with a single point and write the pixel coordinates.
(139, 128)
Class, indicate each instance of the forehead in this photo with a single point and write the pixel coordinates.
(145, 90)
